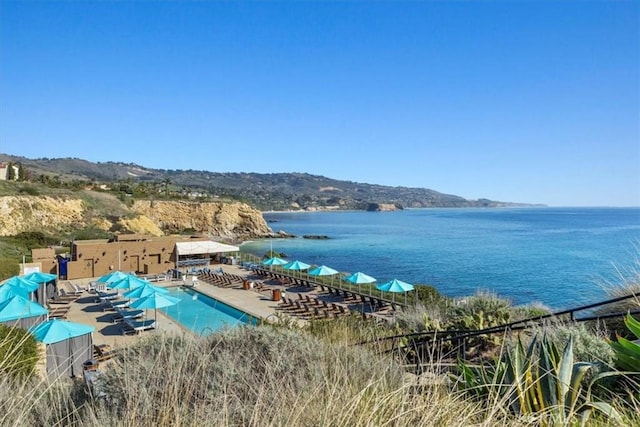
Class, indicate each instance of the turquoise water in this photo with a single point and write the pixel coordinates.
(558, 256)
(202, 314)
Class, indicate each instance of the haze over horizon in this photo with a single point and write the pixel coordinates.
(535, 102)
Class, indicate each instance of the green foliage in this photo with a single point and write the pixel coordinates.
(33, 239)
(29, 190)
(628, 352)
(529, 311)
(426, 294)
(538, 382)
(272, 253)
(588, 345)
(9, 268)
(18, 352)
(480, 311)
(91, 233)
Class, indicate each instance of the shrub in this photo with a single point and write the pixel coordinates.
(426, 294)
(18, 352)
(31, 191)
(481, 311)
(420, 318)
(9, 268)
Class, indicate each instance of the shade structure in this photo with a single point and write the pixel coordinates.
(275, 261)
(28, 285)
(114, 276)
(40, 277)
(323, 270)
(156, 300)
(56, 330)
(129, 282)
(20, 311)
(360, 279)
(396, 286)
(10, 290)
(296, 266)
(69, 345)
(47, 285)
(144, 291)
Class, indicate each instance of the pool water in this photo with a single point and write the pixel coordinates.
(204, 315)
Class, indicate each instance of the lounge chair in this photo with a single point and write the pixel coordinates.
(122, 315)
(58, 311)
(64, 296)
(103, 352)
(115, 305)
(135, 326)
(77, 290)
(105, 296)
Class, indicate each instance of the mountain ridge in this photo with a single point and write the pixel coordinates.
(265, 191)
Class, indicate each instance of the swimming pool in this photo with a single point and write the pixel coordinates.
(204, 315)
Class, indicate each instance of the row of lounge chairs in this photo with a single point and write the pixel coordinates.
(313, 308)
(221, 279)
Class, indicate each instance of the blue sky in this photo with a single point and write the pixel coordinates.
(533, 102)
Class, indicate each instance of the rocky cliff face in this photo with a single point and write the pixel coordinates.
(29, 213)
(228, 220)
(231, 221)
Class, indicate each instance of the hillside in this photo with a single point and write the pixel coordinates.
(276, 191)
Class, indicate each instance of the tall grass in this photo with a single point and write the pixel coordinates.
(259, 376)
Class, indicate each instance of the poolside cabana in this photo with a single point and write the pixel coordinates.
(69, 345)
(21, 312)
(47, 287)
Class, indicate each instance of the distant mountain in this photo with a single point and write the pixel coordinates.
(275, 191)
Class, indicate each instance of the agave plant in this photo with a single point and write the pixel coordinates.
(539, 382)
(628, 352)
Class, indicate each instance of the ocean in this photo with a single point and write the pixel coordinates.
(561, 257)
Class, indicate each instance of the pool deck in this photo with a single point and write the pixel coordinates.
(87, 311)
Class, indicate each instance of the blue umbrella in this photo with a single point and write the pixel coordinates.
(28, 285)
(144, 291)
(323, 270)
(40, 277)
(297, 266)
(129, 282)
(56, 330)
(396, 286)
(359, 279)
(156, 300)
(19, 307)
(114, 276)
(274, 261)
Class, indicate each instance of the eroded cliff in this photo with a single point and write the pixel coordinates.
(230, 221)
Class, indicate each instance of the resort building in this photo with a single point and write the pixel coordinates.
(132, 253)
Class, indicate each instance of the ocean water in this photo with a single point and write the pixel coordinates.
(561, 257)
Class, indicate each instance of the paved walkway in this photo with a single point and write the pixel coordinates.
(87, 311)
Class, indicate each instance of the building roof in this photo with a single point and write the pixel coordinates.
(203, 247)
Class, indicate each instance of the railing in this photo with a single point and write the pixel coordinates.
(430, 345)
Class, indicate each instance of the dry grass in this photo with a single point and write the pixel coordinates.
(250, 377)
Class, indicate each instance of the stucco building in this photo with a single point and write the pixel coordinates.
(132, 253)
